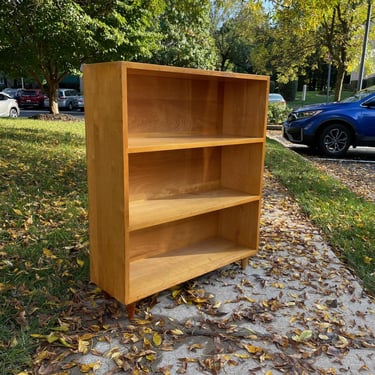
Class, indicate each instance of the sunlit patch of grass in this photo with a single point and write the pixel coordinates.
(347, 221)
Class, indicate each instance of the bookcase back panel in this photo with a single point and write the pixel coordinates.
(234, 224)
(174, 106)
(172, 236)
(161, 174)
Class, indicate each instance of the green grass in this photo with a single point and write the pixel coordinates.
(347, 221)
(43, 232)
(43, 228)
(314, 97)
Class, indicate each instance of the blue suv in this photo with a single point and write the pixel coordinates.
(334, 127)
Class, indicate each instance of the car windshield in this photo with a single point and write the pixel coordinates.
(275, 97)
(29, 93)
(359, 95)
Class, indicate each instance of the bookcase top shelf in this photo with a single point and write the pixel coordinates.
(144, 69)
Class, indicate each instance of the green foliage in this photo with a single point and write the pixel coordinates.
(289, 90)
(238, 30)
(49, 39)
(186, 35)
(347, 221)
(277, 114)
(327, 29)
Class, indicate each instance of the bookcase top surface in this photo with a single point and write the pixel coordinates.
(154, 69)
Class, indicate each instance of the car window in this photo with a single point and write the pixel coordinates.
(357, 97)
(370, 103)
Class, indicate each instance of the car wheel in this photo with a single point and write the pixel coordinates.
(13, 113)
(335, 140)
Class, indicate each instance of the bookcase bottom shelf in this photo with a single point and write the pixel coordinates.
(154, 274)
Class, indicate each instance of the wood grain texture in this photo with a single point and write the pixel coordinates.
(175, 162)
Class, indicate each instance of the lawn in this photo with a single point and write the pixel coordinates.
(314, 97)
(44, 240)
(43, 233)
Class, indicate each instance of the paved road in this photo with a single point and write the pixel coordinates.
(359, 154)
(33, 112)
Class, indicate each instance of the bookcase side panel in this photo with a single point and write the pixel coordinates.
(242, 167)
(240, 224)
(245, 107)
(106, 165)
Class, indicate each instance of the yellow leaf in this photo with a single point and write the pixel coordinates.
(49, 254)
(217, 305)
(150, 357)
(243, 356)
(177, 332)
(176, 292)
(52, 337)
(248, 299)
(252, 349)
(156, 339)
(305, 335)
(321, 307)
(194, 347)
(80, 262)
(38, 336)
(65, 343)
(85, 368)
(83, 346)
(367, 259)
(278, 285)
(17, 211)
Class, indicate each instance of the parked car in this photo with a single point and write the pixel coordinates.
(334, 127)
(80, 103)
(65, 98)
(8, 106)
(31, 98)
(277, 99)
(13, 93)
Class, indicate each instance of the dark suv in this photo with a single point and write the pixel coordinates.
(31, 98)
(334, 127)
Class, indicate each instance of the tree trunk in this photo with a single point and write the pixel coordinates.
(52, 96)
(339, 82)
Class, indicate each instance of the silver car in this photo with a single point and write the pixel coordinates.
(66, 98)
(8, 106)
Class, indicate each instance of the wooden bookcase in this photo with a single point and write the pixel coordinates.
(175, 162)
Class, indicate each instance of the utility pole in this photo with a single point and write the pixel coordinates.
(365, 39)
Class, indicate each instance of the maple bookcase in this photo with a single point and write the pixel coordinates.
(175, 164)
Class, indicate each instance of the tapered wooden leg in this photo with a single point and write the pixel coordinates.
(244, 263)
(130, 309)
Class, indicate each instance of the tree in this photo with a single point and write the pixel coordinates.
(331, 27)
(236, 25)
(187, 41)
(48, 39)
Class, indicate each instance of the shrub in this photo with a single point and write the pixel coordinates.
(277, 114)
